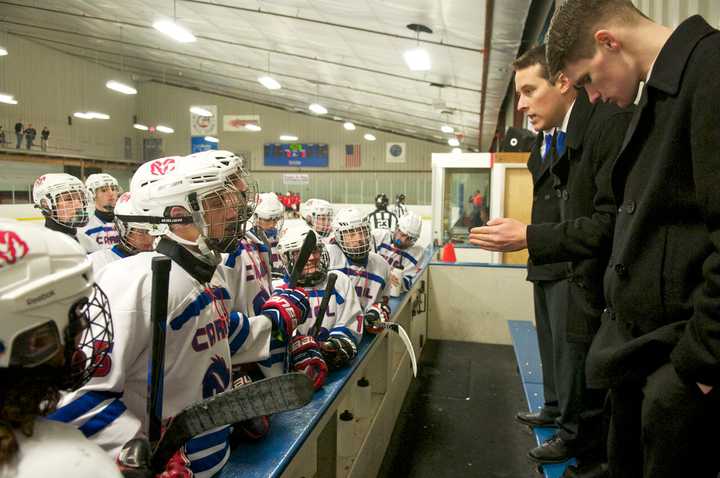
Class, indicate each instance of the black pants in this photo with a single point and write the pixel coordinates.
(664, 428)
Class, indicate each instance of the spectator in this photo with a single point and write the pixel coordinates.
(2, 137)
(30, 134)
(44, 135)
(18, 133)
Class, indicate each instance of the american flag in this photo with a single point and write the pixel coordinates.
(352, 155)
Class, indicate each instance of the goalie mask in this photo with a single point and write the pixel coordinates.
(104, 190)
(135, 235)
(52, 315)
(318, 263)
(62, 198)
(269, 214)
(352, 234)
(318, 213)
(408, 230)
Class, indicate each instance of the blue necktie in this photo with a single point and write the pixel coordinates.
(560, 143)
(548, 144)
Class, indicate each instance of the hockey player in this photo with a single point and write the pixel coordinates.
(134, 235)
(269, 218)
(381, 218)
(398, 248)
(199, 205)
(341, 330)
(99, 232)
(318, 214)
(400, 208)
(49, 341)
(62, 199)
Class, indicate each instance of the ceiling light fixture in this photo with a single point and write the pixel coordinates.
(369, 137)
(7, 99)
(211, 139)
(269, 82)
(96, 115)
(447, 129)
(349, 125)
(164, 129)
(454, 142)
(318, 109)
(82, 115)
(140, 126)
(3, 51)
(456, 151)
(200, 111)
(253, 127)
(121, 87)
(178, 33)
(418, 59)
(288, 137)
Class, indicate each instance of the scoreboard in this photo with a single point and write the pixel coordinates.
(314, 155)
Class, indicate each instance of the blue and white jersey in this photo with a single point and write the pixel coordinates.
(371, 280)
(97, 234)
(405, 259)
(276, 262)
(202, 341)
(104, 257)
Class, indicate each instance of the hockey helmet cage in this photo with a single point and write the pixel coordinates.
(352, 233)
(62, 198)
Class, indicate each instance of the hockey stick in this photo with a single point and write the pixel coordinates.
(329, 288)
(397, 328)
(307, 248)
(265, 397)
(158, 318)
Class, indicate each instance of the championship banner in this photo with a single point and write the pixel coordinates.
(198, 144)
(395, 152)
(204, 125)
(237, 123)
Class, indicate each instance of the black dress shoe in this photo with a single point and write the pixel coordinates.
(539, 419)
(555, 450)
(594, 470)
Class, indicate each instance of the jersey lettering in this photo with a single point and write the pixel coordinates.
(206, 337)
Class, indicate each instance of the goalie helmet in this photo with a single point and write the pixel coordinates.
(62, 198)
(289, 245)
(352, 233)
(135, 235)
(318, 213)
(381, 201)
(410, 225)
(50, 305)
(100, 180)
(212, 192)
(269, 208)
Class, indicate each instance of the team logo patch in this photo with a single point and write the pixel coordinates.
(124, 198)
(161, 167)
(12, 248)
(39, 181)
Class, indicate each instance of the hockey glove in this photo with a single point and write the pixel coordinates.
(134, 462)
(376, 314)
(252, 429)
(286, 309)
(307, 358)
(338, 351)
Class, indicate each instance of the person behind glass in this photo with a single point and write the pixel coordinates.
(62, 199)
(18, 134)
(2, 137)
(30, 134)
(44, 135)
(658, 346)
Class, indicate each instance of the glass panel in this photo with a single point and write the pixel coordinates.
(466, 201)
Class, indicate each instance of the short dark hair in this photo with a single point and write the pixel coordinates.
(573, 26)
(534, 56)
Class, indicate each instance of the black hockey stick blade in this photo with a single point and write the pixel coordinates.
(329, 287)
(307, 248)
(265, 397)
(158, 317)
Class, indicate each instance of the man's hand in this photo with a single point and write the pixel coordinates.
(500, 235)
(705, 389)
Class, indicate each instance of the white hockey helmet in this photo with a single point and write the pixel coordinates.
(319, 215)
(352, 233)
(100, 180)
(49, 304)
(269, 208)
(290, 242)
(204, 186)
(411, 225)
(306, 210)
(129, 221)
(62, 198)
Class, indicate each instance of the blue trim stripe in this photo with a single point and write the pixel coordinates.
(408, 282)
(404, 254)
(341, 330)
(98, 229)
(241, 323)
(273, 359)
(210, 461)
(369, 275)
(232, 258)
(321, 293)
(81, 406)
(209, 440)
(196, 307)
(118, 252)
(108, 415)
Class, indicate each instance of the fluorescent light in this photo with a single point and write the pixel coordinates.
(269, 82)
(7, 99)
(417, 59)
(174, 31)
(288, 137)
(164, 129)
(318, 109)
(456, 151)
(211, 139)
(447, 129)
(200, 111)
(140, 126)
(121, 87)
(3, 51)
(253, 127)
(96, 115)
(82, 115)
(369, 137)
(453, 142)
(348, 125)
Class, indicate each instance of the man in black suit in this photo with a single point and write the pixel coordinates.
(658, 347)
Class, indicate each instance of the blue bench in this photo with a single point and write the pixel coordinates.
(527, 354)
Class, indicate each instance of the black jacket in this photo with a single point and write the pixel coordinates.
(545, 209)
(662, 283)
(582, 177)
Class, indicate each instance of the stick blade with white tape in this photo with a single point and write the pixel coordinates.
(397, 328)
(265, 397)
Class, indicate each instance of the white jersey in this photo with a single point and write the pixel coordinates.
(57, 449)
(405, 259)
(381, 219)
(104, 257)
(201, 344)
(399, 210)
(97, 234)
(344, 316)
(371, 281)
